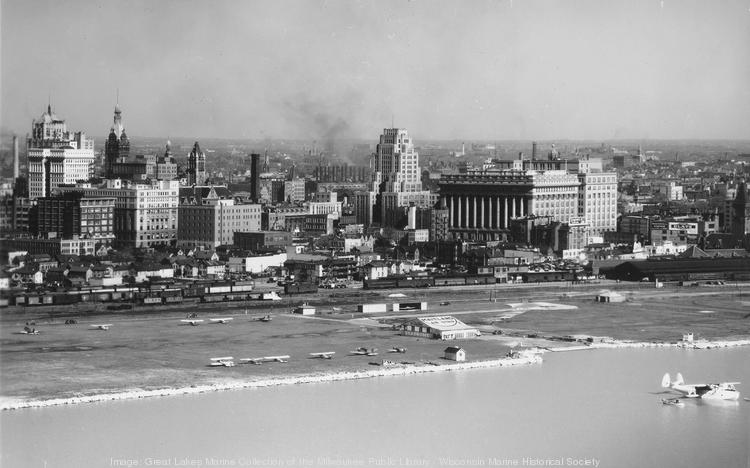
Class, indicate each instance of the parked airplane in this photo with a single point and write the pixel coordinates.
(221, 320)
(712, 391)
(265, 318)
(222, 361)
(192, 322)
(397, 350)
(261, 360)
(29, 331)
(324, 355)
(365, 352)
(102, 326)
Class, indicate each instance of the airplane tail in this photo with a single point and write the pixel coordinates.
(665, 381)
(679, 380)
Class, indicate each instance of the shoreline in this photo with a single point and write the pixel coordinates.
(625, 344)
(525, 358)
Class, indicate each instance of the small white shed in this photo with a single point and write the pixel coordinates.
(455, 353)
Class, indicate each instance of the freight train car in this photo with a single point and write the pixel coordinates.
(450, 281)
(300, 288)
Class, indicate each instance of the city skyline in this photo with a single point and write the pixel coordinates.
(339, 70)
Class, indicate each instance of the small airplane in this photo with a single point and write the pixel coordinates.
(324, 355)
(101, 326)
(713, 391)
(265, 318)
(396, 349)
(221, 320)
(362, 351)
(222, 361)
(29, 331)
(259, 361)
(336, 309)
(192, 322)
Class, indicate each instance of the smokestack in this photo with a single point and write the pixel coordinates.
(255, 177)
(533, 150)
(15, 158)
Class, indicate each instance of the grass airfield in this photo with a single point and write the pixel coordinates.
(152, 349)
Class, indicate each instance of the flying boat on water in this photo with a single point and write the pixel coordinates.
(323, 355)
(709, 391)
(221, 320)
(227, 361)
(101, 326)
(192, 322)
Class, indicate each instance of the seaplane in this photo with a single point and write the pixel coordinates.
(396, 349)
(711, 391)
(323, 355)
(265, 318)
(221, 320)
(261, 360)
(227, 361)
(101, 326)
(29, 331)
(192, 322)
(362, 351)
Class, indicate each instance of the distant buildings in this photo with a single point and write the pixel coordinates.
(56, 156)
(208, 216)
(482, 202)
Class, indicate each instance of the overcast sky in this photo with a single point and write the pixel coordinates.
(522, 69)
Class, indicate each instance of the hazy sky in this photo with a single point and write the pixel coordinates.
(522, 69)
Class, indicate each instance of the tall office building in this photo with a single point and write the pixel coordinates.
(396, 178)
(196, 166)
(56, 156)
(396, 163)
(597, 201)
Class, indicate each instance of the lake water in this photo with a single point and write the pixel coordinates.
(597, 407)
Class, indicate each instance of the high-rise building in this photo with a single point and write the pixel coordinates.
(56, 156)
(396, 178)
(597, 201)
(196, 166)
(117, 146)
(396, 162)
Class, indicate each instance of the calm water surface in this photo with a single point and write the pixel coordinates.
(595, 406)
